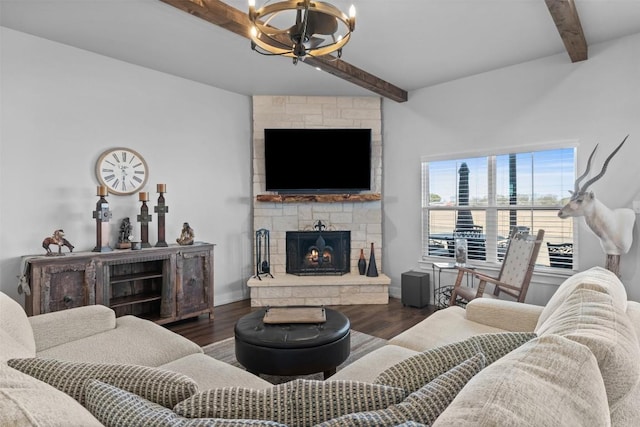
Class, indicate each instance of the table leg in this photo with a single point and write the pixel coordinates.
(327, 374)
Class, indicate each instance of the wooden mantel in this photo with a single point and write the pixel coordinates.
(320, 198)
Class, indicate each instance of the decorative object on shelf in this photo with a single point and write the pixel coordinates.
(372, 269)
(614, 227)
(144, 219)
(161, 210)
(57, 238)
(319, 29)
(362, 263)
(186, 235)
(122, 171)
(102, 214)
(263, 253)
(461, 246)
(126, 234)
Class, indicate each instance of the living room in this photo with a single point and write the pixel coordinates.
(62, 107)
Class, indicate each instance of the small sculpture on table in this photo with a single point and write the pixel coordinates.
(56, 239)
(125, 236)
(186, 236)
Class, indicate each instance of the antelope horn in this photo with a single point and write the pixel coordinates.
(604, 167)
(577, 185)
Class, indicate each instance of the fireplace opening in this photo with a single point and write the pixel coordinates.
(318, 253)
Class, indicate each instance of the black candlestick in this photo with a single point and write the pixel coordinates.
(161, 210)
(144, 219)
(102, 214)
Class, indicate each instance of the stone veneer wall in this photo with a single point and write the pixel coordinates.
(364, 219)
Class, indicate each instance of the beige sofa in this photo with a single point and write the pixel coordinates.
(582, 369)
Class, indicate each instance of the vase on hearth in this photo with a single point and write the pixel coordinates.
(372, 269)
(362, 263)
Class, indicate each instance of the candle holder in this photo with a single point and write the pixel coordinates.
(144, 219)
(102, 214)
(161, 210)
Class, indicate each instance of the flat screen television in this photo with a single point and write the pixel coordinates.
(317, 161)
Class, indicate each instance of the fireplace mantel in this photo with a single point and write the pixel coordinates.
(321, 198)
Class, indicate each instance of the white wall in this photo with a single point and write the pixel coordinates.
(62, 107)
(595, 101)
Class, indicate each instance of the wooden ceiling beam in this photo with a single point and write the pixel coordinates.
(566, 18)
(236, 21)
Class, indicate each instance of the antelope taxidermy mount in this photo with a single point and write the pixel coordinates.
(614, 227)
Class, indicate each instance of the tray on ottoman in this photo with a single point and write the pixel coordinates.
(277, 315)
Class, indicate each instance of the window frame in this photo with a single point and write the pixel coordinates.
(491, 261)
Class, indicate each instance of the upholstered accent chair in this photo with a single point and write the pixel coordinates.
(515, 272)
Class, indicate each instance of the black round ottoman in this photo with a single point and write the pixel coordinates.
(292, 348)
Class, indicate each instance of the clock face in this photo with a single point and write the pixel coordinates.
(122, 171)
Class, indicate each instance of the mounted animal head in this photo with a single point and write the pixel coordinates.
(581, 201)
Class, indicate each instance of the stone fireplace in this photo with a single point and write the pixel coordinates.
(318, 253)
(358, 214)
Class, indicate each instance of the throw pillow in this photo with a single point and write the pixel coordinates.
(295, 403)
(416, 371)
(160, 386)
(549, 381)
(115, 407)
(422, 406)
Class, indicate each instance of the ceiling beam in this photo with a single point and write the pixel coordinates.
(566, 18)
(236, 21)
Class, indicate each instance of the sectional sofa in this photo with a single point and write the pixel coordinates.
(575, 361)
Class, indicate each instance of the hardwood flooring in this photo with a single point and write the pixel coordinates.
(380, 320)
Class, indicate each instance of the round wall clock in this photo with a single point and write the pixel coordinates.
(122, 171)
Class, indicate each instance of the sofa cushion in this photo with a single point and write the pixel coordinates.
(10, 348)
(369, 366)
(59, 327)
(597, 279)
(416, 371)
(549, 381)
(295, 403)
(423, 405)
(199, 366)
(115, 407)
(442, 327)
(25, 401)
(134, 341)
(14, 321)
(160, 386)
(594, 319)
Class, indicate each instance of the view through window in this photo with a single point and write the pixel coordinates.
(481, 199)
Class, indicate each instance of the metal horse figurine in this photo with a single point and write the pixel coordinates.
(56, 239)
(614, 227)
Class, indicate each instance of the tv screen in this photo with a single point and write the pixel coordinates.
(317, 160)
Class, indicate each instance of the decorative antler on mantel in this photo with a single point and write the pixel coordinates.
(614, 227)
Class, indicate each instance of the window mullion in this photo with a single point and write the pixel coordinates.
(492, 213)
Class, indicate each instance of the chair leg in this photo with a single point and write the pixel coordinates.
(481, 287)
(452, 300)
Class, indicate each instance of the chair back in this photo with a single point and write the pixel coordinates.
(518, 263)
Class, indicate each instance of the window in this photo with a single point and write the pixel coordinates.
(482, 198)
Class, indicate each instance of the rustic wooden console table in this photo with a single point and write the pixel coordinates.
(161, 284)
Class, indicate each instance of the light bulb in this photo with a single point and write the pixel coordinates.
(252, 3)
(352, 11)
(254, 31)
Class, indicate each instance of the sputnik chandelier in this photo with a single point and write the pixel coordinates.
(319, 28)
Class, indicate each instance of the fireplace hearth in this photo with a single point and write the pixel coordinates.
(318, 253)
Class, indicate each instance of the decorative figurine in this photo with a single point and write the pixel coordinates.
(186, 236)
(125, 236)
(56, 239)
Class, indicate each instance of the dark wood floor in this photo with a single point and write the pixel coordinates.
(380, 320)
